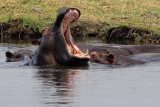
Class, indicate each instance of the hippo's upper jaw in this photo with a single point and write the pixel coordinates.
(69, 17)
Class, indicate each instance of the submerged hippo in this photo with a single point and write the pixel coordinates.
(57, 46)
(124, 50)
(18, 55)
(111, 58)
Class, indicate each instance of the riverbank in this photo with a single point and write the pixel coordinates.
(137, 20)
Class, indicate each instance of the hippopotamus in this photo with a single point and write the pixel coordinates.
(111, 58)
(124, 50)
(18, 55)
(146, 57)
(57, 46)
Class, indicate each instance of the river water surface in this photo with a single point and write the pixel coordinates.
(92, 86)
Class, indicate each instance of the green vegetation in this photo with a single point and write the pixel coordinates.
(133, 13)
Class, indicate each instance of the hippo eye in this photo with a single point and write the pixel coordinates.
(93, 56)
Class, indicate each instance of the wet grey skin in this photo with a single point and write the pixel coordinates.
(113, 59)
(57, 46)
(18, 55)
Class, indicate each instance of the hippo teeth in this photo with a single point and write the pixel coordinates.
(80, 53)
(74, 52)
(87, 52)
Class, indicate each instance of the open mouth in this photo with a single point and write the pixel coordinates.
(70, 16)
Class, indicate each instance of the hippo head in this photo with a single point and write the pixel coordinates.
(57, 44)
(107, 58)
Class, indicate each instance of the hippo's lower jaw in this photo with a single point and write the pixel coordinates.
(76, 52)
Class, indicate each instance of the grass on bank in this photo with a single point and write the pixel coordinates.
(134, 13)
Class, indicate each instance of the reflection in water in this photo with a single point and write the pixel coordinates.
(57, 86)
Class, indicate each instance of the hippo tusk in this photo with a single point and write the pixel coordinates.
(87, 52)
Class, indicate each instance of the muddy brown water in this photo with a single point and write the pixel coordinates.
(93, 86)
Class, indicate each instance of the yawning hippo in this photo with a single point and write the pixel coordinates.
(56, 46)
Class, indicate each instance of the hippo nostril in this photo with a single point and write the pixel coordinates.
(93, 56)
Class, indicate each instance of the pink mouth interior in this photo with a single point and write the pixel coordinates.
(69, 17)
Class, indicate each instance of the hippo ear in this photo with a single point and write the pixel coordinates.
(110, 58)
(36, 42)
(9, 54)
(44, 30)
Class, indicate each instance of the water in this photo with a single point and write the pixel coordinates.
(93, 86)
